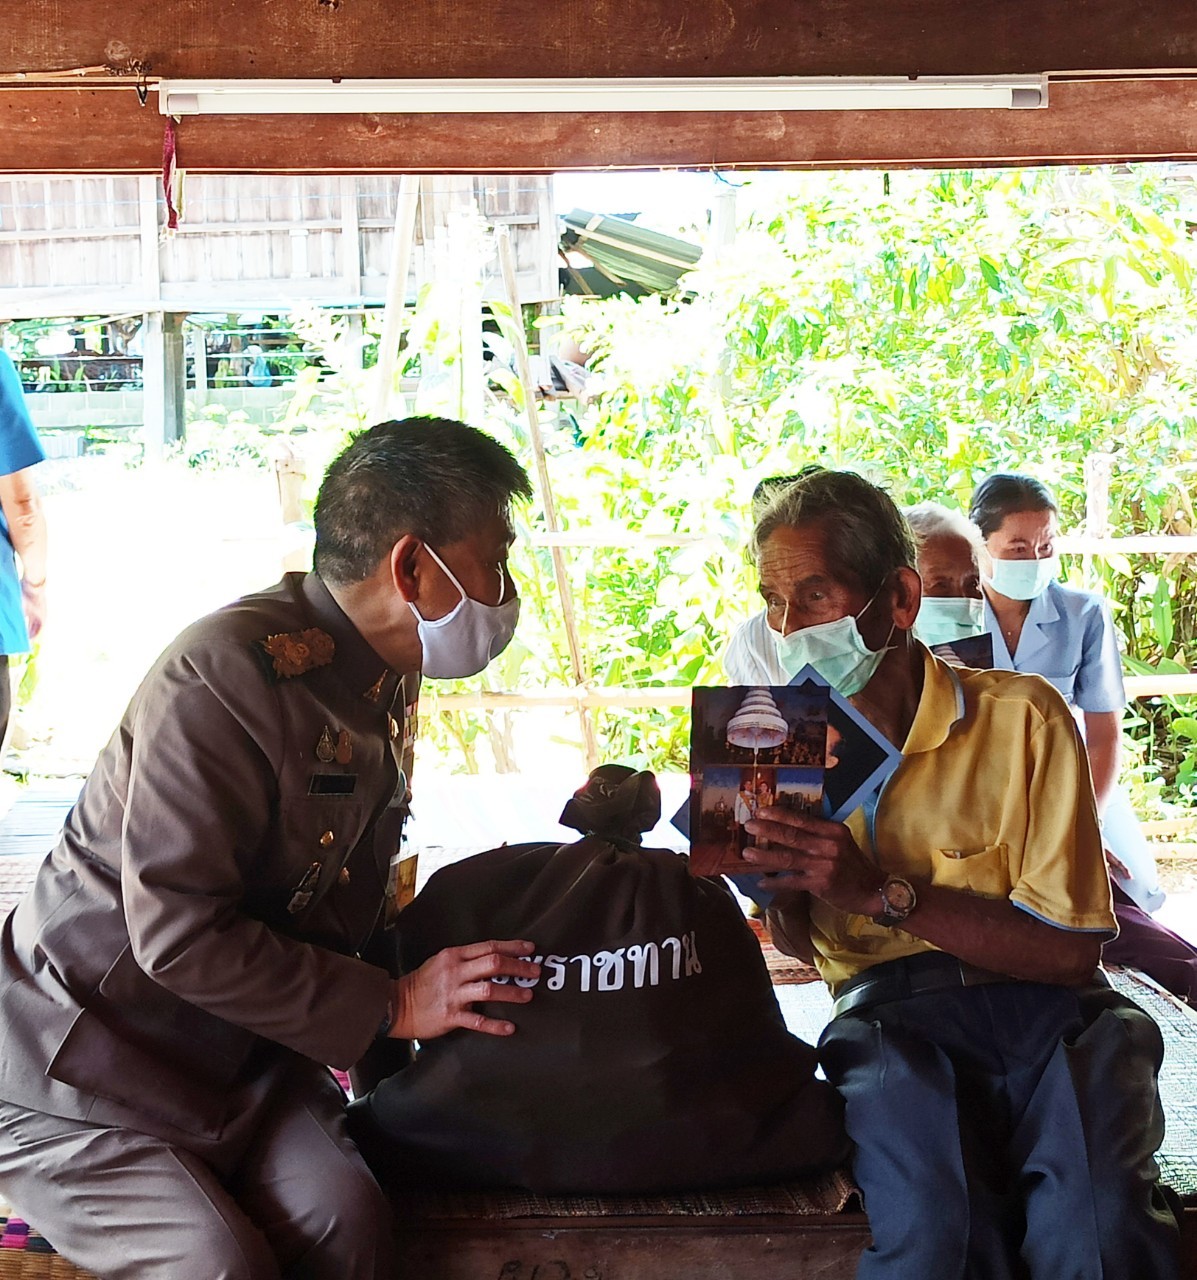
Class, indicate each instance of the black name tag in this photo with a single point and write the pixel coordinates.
(332, 784)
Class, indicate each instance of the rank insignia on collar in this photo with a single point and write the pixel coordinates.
(374, 692)
(295, 652)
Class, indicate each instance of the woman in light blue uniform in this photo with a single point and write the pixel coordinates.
(1040, 626)
(1065, 635)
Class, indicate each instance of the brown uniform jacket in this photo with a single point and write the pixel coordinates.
(202, 917)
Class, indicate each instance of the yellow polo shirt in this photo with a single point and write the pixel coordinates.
(992, 797)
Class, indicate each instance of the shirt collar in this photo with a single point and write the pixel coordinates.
(356, 661)
(940, 708)
(1043, 608)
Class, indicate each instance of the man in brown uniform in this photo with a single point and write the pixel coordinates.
(210, 930)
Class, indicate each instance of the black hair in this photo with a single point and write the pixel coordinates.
(868, 537)
(1002, 494)
(431, 477)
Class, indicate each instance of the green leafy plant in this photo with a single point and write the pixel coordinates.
(922, 328)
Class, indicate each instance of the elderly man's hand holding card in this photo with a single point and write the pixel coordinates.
(817, 856)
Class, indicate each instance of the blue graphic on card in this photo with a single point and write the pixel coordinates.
(859, 758)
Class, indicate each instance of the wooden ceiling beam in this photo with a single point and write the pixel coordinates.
(104, 130)
(380, 38)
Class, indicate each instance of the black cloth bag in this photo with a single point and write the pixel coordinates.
(653, 1055)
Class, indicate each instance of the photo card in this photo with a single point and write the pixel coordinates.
(968, 651)
(752, 747)
(859, 759)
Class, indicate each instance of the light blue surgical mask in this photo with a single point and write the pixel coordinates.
(943, 620)
(1024, 579)
(836, 650)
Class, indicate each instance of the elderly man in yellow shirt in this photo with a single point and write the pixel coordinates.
(1001, 1095)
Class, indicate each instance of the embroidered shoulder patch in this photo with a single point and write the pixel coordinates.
(295, 652)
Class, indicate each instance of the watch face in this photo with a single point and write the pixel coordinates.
(899, 897)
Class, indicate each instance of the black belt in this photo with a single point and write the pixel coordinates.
(911, 976)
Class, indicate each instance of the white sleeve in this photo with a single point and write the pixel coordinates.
(751, 655)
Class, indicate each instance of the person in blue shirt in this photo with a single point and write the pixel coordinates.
(23, 530)
(1067, 636)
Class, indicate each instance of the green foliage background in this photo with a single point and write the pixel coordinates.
(922, 328)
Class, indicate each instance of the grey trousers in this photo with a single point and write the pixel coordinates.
(298, 1202)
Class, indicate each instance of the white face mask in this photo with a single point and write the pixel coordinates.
(469, 636)
(942, 620)
(836, 650)
(1024, 579)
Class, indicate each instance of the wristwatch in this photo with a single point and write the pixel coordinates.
(898, 900)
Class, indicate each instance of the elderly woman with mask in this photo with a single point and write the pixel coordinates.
(948, 545)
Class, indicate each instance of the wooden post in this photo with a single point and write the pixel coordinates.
(163, 379)
(199, 362)
(393, 315)
(723, 235)
(1099, 467)
(507, 265)
(354, 333)
(289, 475)
(465, 242)
(351, 239)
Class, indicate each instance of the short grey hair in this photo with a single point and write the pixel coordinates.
(868, 537)
(930, 520)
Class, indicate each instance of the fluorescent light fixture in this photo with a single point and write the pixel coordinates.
(726, 93)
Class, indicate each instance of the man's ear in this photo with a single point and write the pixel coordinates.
(907, 596)
(404, 566)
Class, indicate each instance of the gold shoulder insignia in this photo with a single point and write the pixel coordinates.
(295, 652)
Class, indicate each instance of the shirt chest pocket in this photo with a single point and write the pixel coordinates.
(984, 871)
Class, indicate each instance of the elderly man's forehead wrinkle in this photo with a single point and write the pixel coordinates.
(781, 565)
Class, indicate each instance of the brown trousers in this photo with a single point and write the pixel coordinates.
(298, 1202)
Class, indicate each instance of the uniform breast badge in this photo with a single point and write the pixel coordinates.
(401, 885)
(344, 749)
(295, 652)
(304, 890)
(326, 749)
(374, 692)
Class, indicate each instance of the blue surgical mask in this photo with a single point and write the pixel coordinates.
(944, 620)
(836, 650)
(1024, 579)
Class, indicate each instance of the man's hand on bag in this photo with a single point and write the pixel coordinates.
(439, 996)
(816, 856)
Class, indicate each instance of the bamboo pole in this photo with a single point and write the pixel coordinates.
(1151, 686)
(668, 696)
(580, 696)
(1147, 544)
(394, 312)
(569, 617)
(1077, 544)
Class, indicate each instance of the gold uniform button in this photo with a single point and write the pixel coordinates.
(344, 876)
(327, 838)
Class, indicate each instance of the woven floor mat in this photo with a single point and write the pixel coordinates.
(24, 1255)
(16, 875)
(827, 1193)
(1178, 1076)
